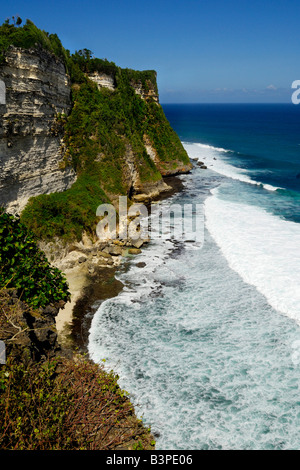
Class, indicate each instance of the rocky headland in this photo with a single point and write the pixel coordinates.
(75, 132)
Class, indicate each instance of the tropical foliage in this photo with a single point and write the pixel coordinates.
(28, 36)
(24, 266)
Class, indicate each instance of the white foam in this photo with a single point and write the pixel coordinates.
(140, 283)
(216, 149)
(261, 247)
(207, 362)
(212, 159)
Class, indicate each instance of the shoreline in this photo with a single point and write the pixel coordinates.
(90, 290)
(101, 286)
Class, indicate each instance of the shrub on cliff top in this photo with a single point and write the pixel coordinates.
(89, 64)
(24, 266)
(66, 406)
(29, 36)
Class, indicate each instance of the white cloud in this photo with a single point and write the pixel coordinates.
(271, 87)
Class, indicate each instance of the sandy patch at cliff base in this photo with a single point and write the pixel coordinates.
(102, 285)
(77, 279)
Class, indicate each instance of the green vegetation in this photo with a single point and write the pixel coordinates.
(83, 62)
(28, 36)
(103, 129)
(61, 403)
(66, 406)
(24, 267)
(67, 214)
(145, 78)
(164, 138)
(55, 403)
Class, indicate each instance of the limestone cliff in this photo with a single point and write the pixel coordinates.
(103, 80)
(37, 88)
(77, 131)
(149, 91)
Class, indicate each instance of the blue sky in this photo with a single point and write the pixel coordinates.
(202, 50)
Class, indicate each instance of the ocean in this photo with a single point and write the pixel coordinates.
(206, 339)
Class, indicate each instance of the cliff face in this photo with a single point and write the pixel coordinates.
(132, 180)
(70, 145)
(103, 80)
(37, 88)
(28, 334)
(148, 92)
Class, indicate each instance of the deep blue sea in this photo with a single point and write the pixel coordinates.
(207, 339)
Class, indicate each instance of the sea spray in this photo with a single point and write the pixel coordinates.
(207, 359)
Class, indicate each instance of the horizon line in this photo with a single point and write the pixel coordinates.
(231, 103)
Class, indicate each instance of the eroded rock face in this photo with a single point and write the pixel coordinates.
(146, 93)
(37, 89)
(103, 80)
(135, 186)
(28, 334)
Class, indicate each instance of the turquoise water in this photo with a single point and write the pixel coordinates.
(207, 341)
(262, 139)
